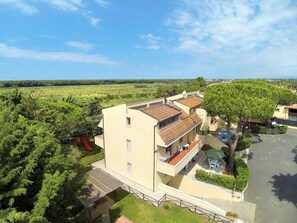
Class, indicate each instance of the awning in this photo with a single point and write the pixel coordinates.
(99, 183)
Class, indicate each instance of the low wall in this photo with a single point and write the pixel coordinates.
(203, 190)
(196, 201)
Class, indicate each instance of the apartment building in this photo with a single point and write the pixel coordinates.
(151, 142)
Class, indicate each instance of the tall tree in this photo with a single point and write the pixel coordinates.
(244, 99)
(39, 179)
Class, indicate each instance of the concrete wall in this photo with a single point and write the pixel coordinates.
(199, 202)
(201, 189)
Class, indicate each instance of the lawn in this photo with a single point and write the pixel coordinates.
(140, 211)
(89, 157)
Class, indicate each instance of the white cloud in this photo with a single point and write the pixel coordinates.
(213, 25)
(78, 7)
(94, 21)
(21, 5)
(13, 52)
(103, 3)
(80, 45)
(65, 5)
(153, 41)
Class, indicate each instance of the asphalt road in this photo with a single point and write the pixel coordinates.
(273, 182)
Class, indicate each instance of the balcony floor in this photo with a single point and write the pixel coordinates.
(179, 156)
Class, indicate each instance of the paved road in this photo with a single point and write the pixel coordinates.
(273, 182)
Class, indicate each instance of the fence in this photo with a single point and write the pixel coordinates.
(181, 203)
(286, 122)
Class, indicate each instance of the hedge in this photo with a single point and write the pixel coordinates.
(242, 174)
(244, 143)
(259, 129)
(280, 129)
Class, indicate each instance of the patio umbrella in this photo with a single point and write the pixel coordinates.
(214, 154)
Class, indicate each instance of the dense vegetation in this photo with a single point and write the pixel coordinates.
(39, 177)
(244, 99)
(42, 83)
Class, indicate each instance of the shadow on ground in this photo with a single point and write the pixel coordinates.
(284, 187)
(115, 213)
(294, 150)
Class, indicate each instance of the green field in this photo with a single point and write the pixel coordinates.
(109, 95)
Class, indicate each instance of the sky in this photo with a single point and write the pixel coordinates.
(141, 39)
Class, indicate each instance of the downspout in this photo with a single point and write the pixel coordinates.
(154, 158)
(104, 140)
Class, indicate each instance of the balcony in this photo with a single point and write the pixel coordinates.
(179, 160)
(99, 140)
(214, 124)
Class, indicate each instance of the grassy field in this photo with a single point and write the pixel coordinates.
(140, 211)
(109, 95)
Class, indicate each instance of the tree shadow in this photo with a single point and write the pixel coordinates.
(294, 150)
(284, 187)
(256, 138)
(115, 213)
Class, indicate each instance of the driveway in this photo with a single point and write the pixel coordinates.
(273, 182)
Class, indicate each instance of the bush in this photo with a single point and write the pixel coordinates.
(242, 176)
(226, 151)
(260, 129)
(244, 143)
(282, 129)
(223, 181)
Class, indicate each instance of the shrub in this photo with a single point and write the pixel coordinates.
(226, 151)
(223, 181)
(242, 174)
(244, 143)
(282, 129)
(232, 214)
(260, 129)
(240, 181)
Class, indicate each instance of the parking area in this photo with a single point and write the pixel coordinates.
(273, 182)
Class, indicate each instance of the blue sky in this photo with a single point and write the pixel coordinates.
(128, 39)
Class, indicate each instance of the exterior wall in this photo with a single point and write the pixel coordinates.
(183, 107)
(201, 189)
(140, 133)
(282, 113)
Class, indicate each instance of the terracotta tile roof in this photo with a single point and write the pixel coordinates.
(161, 112)
(177, 129)
(191, 102)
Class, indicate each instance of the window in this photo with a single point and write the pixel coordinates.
(129, 147)
(168, 121)
(276, 109)
(129, 168)
(181, 140)
(128, 120)
(168, 149)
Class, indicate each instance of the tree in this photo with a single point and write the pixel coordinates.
(244, 99)
(39, 179)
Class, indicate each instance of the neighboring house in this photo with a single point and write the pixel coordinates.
(286, 112)
(286, 115)
(151, 142)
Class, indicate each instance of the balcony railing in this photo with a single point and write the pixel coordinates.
(179, 160)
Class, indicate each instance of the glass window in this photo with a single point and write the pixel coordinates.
(129, 168)
(129, 146)
(128, 119)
